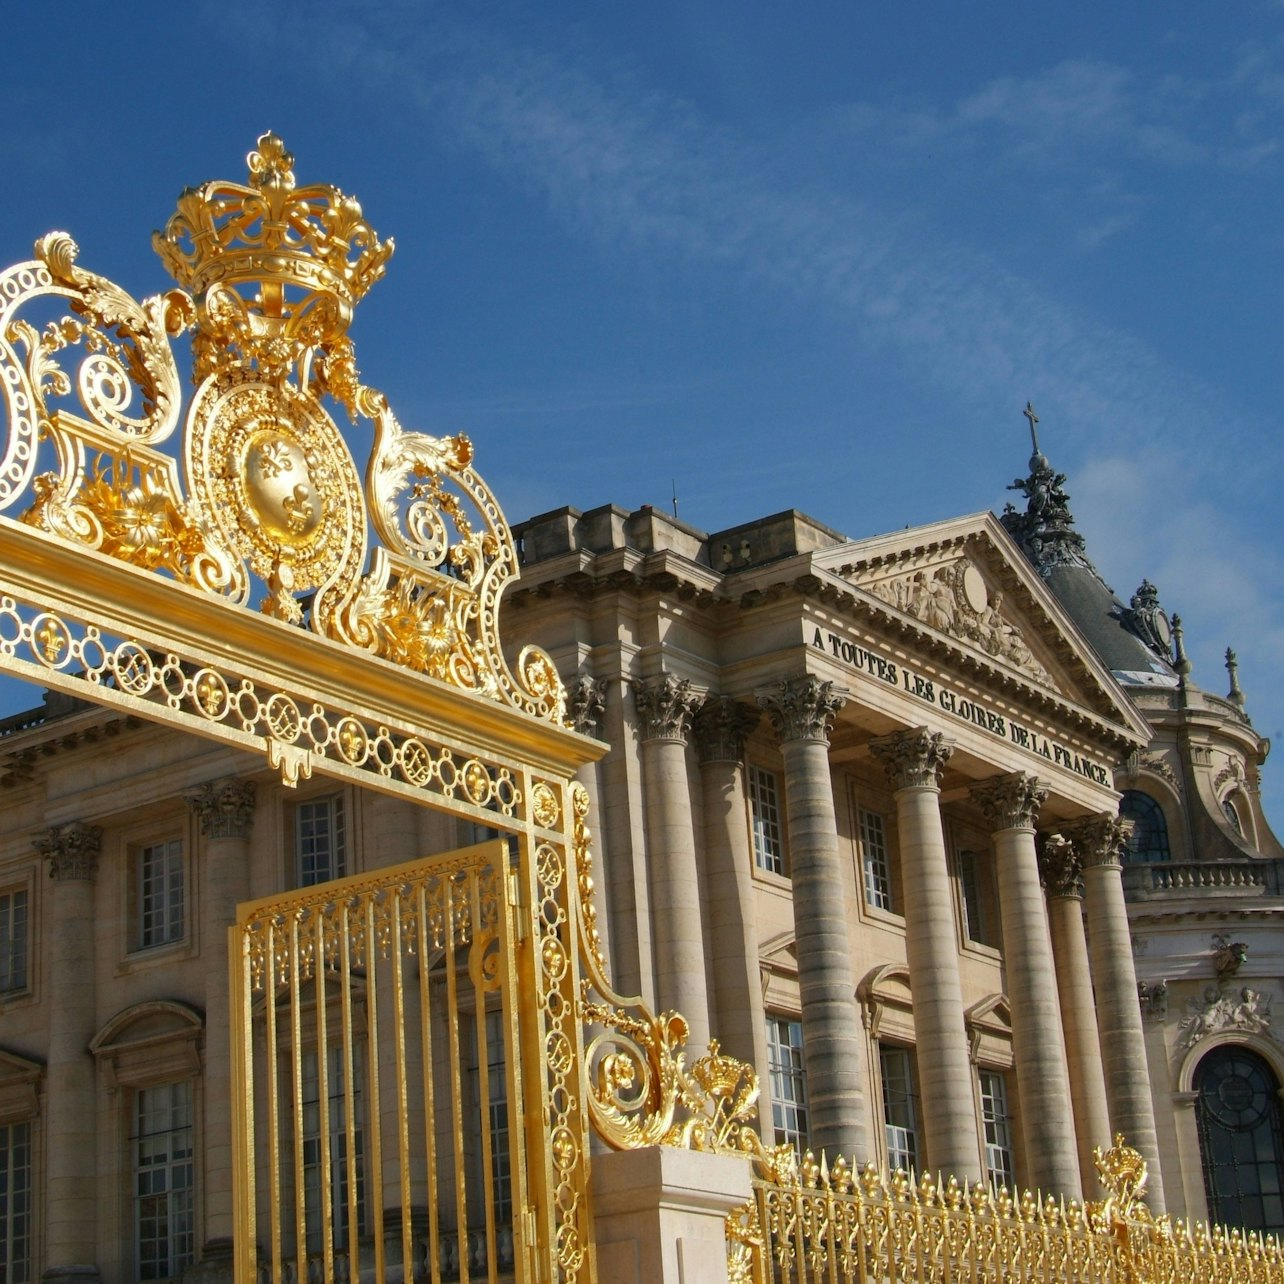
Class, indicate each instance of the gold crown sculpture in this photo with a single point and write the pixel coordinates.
(275, 268)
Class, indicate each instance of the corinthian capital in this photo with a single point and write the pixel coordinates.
(72, 851)
(586, 703)
(1010, 802)
(721, 725)
(665, 704)
(1060, 867)
(802, 708)
(1100, 840)
(913, 759)
(225, 808)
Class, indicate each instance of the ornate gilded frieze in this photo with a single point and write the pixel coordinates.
(913, 759)
(72, 851)
(802, 708)
(270, 509)
(1010, 802)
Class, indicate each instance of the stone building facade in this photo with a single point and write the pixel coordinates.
(859, 822)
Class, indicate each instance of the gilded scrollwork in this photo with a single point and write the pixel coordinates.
(275, 511)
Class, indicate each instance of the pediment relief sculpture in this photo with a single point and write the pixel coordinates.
(1248, 1012)
(955, 598)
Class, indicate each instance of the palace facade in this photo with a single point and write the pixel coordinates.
(860, 821)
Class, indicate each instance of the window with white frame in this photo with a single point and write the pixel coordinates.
(319, 840)
(14, 941)
(158, 890)
(341, 1179)
(874, 860)
(764, 807)
(975, 887)
(164, 1180)
(788, 1080)
(997, 1123)
(497, 1134)
(900, 1106)
(15, 1202)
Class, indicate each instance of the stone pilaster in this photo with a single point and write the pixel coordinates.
(738, 1018)
(224, 812)
(1062, 872)
(1101, 842)
(665, 705)
(71, 1144)
(913, 761)
(1011, 805)
(802, 712)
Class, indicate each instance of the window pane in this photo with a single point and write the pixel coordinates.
(319, 840)
(15, 1203)
(788, 1080)
(164, 1175)
(998, 1129)
(1149, 841)
(13, 941)
(878, 874)
(159, 876)
(337, 1181)
(900, 1106)
(764, 806)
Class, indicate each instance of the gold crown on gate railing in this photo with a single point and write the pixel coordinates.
(274, 235)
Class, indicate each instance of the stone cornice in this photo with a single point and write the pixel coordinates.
(72, 851)
(913, 759)
(224, 808)
(802, 708)
(665, 705)
(1010, 802)
(721, 725)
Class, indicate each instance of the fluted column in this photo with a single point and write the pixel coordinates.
(738, 1018)
(1011, 805)
(1063, 881)
(913, 761)
(70, 1122)
(1101, 842)
(802, 712)
(224, 811)
(665, 705)
(585, 706)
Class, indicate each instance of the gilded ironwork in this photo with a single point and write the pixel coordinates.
(271, 509)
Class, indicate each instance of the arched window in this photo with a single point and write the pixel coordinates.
(1231, 813)
(1149, 841)
(1240, 1142)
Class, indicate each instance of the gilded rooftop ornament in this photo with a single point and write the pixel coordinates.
(270, 508)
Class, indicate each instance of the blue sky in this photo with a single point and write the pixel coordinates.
(816, 255)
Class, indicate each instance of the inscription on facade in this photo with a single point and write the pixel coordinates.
(878, 667)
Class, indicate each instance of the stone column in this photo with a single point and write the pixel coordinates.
(224, 811)
(1101, 841)
(721, 726)
(665, 705)
(71, 1107)
(802, 712)
(913, 761)
(1063, 879)
(1011, 805)
(585, 705)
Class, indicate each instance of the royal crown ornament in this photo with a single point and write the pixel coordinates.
(270, 509)
(275, 269)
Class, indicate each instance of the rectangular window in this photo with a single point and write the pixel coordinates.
(15, 1203)
(788, 1080)
(164, 1222)
(13, 940)
(900, 1107)
(342, 1179)
(158, 877)
(319, 840)
(969, 883)
(764, 806)
(998, 1129)
(878, 872)
(501, 1172)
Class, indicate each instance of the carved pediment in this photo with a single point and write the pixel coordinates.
(955, 596)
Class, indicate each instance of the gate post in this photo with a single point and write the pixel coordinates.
(661, 1214)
